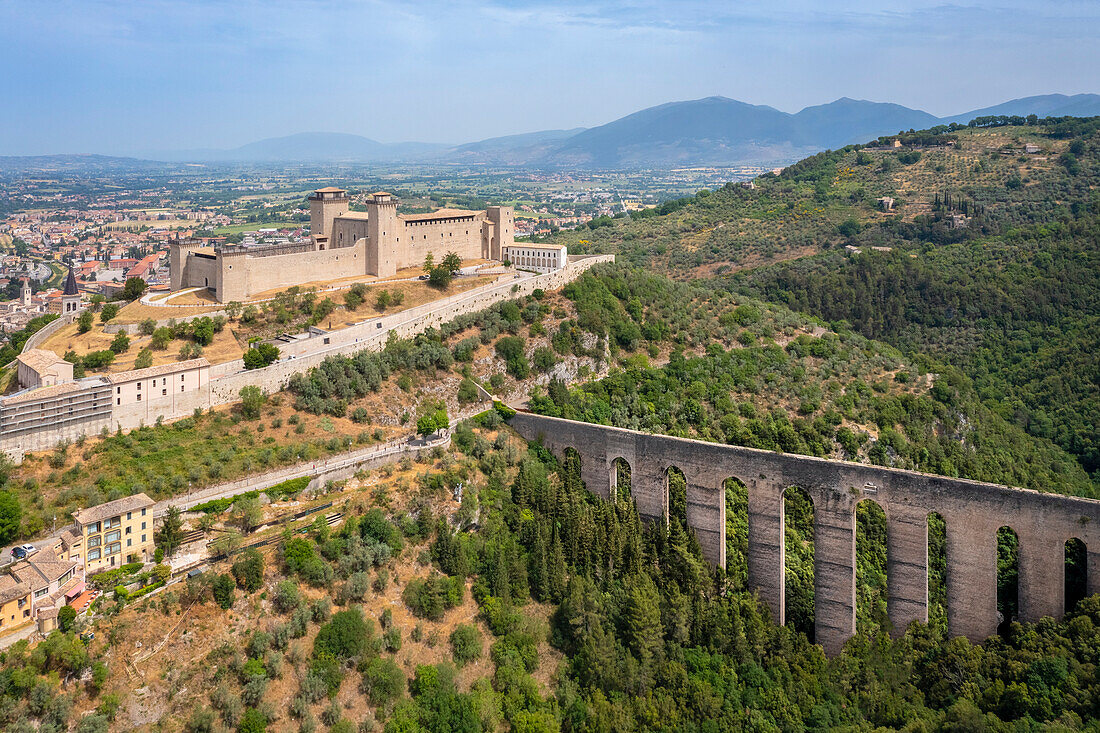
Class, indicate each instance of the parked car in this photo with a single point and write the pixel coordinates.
(22, 551)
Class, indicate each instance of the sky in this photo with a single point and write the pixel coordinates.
(123, 78)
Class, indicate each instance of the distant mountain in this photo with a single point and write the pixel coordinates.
(1044, 105)
(845, 121)
(323, 147)
(717, 130)
(699, 132)
(511, 149)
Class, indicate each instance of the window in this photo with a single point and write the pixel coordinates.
(128, 516)
(113, 536)
(143, 514)
(129, 542)
(143, 523)
(93, 527)
(164, 391)
(113, 522)
(143, 538)
(128, 530)
(119, 390)
(139, 385)
(181, 377)
(41, 592)
(139, 398)
(120, 400)
(95, 541)
(93, 554)
(114, 549)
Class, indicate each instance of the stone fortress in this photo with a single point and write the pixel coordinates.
(343, 243)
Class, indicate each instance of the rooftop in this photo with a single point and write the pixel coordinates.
(439, 214)
(112, 508)
(330, 189)
(54, 390)
(40, 359)
(156, 371)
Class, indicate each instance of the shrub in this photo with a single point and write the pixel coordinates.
(144, 359)
(431, 597)
(383, 681)
(249, 570)
(360, 415)
(511, 350)
(223, 587)
(110, 310)
(465, 644)
(252, 399)
(66, 617)
(287, 596)
(121, 343)
(347, 635)
(84, 322)
(261, 355)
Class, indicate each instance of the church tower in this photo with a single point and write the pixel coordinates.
(70, 298)
(383, 231)
(25, 292)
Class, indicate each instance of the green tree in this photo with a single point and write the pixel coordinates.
(249, 570)
(253, 721)
(66, 617)
(223, 587)
(429, 263)
(84, 321)
(110, 310)
(451, 262)
(144, 359)
(133, 288)
(252, 400)
(120, 343)
(465, 644)
(345, 636)
(11, 517)
(382, 302)
(170, 534)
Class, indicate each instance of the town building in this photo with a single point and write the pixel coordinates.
(117, 532)
(343, 243)
(41, 368)
(537, 257)
(35, 589)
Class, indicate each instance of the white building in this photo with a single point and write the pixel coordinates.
(537, 257)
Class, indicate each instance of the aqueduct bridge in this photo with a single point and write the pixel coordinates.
(973, 512)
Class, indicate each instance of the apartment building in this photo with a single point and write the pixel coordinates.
(115, 533)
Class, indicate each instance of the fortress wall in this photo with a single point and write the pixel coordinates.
(41, 335)
(417, 238)
(973, 512)
(245, 275)
(199, 272)
(345, 232)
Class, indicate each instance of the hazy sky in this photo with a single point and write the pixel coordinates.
(109, 76)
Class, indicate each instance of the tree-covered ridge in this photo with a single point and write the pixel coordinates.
(832, 199)
(1018, 314)
(764, 378)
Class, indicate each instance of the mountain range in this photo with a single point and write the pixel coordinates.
(709, 131)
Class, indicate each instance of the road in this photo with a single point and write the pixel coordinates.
(401, 446)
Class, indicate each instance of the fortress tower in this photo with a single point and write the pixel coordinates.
(384, 234)
(325, 204)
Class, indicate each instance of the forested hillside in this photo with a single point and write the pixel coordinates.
(983, 269)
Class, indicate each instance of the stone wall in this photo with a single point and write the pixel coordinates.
(973, 512)
(227, 379)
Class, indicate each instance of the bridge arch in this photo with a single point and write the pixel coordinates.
(676, 495)
(1076, 572)
(620, 474)
(872, 567)
(736, 500)
(799, 572)
(1008, 576)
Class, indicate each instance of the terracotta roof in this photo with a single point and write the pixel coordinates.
(360, 215)
(48, 612)
(12, 588)
(330, 189)
(440, 214)
(155, 371)
(54, 390)
(44, 567)
(111, 508)
(381, 193)
(39, 359)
